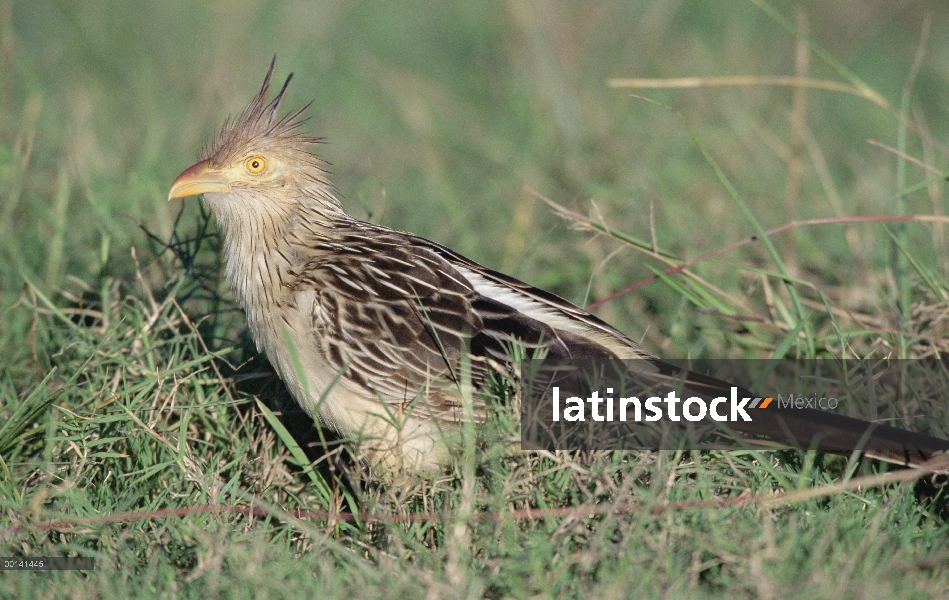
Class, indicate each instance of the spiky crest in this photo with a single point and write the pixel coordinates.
(261, 124)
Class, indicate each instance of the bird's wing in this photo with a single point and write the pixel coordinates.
(396, 316)
(543, 306)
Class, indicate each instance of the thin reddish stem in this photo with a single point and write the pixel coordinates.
(770, 232)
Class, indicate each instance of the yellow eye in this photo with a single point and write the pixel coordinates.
(255, 165)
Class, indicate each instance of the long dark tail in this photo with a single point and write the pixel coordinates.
(808, 428)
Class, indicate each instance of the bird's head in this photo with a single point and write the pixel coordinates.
(259, 157)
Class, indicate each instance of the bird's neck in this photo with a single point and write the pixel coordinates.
(259, 252)
(256, 260)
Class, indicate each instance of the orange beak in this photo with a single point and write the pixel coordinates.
(198, 179)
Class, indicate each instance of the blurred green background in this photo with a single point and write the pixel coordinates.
(438, 116)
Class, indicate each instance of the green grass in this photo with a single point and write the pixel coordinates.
(128, 383)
